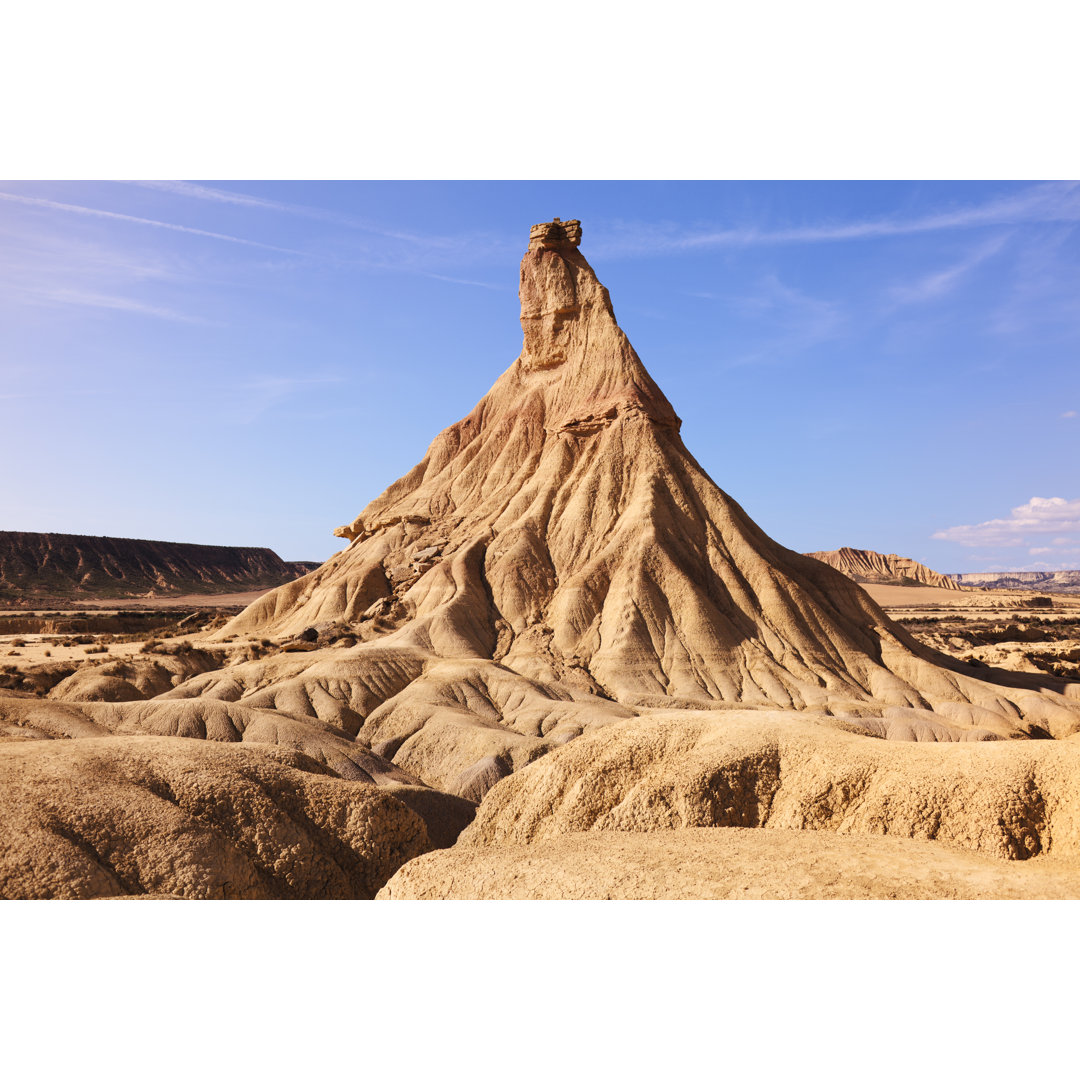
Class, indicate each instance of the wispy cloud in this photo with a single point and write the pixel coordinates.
(90, 211)
(49, 268)
(467, 281)
(1049, 202)
(285, 384)
(81, 298)
(1043, 298)
(796, 320)
(941, 282)
(263, 393)
(1070, 415)
(186, 189)
(1037, 517)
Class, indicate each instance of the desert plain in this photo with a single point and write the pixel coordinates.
(554, 660)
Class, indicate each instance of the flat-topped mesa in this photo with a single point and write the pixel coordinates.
(552, 235)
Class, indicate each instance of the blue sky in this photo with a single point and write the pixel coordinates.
(884, 365)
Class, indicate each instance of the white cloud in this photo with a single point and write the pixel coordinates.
(1036, 517)
(1039, 551)
(1068, 415)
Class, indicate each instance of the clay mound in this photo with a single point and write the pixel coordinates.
(1010, 800)
(25, 718)
(202, 718)
(36, 566)
(133, 680)
(727, 864)
(873, 568)
(115, 817)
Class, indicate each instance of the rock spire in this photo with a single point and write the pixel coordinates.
(562, 540)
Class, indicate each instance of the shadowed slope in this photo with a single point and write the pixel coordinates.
(40, 566)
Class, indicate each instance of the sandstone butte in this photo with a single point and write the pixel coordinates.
(871, 567)
(557, 627)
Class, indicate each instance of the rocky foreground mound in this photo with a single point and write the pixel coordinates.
(42, 567)
(559, 616)
(873, 568)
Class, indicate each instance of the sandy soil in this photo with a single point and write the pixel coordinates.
(41, 648)
(894, 598)
(726, 864)
(157, 603)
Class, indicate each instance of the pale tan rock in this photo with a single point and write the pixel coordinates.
(1011, 800)
(560, 539)
(727, 864)
(145, 676)
(871, 567)
(123, 816)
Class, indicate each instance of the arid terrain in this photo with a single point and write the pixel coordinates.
(553, 660)
(1056, 581)
(873, 568)
(60, 569)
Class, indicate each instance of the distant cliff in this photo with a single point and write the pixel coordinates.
(60, 566)
(873, 568)
(1043, 580)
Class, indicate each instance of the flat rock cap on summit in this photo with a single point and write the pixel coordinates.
(555, 234)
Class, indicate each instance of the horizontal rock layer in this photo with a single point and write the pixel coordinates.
(62, 566)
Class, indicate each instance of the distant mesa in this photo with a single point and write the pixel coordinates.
(59, 566)
(1064, 581)
(873, 568)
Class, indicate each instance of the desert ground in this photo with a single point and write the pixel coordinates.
(555, 659)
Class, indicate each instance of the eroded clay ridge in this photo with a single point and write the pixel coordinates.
(873, 568)
(61, 565)
(561, 542)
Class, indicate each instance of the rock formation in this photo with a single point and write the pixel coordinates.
(559, 613)
(726, 864)
(1066, 581)
(873, 568)
(115, 817)
(559, 558)
(43, 567)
